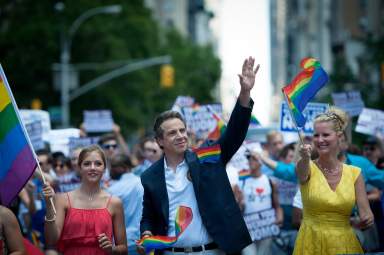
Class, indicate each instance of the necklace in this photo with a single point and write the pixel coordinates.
(329, 171)
(92, 195)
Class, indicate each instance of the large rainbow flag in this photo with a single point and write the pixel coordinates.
(17, 161)
(304, 87)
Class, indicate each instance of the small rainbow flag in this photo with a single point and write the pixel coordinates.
(244, 174)
(304, 87)
(219, 129)
(183, 219)
(208, 154)
(17, 159)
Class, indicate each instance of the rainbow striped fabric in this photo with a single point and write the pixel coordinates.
(304, 87)
(219, 129)
(183, 219)
(244, 174)
(17, 161)
(209, 154)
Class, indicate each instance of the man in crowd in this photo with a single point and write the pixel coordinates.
(151, 152)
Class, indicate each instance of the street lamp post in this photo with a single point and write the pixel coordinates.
(65, 56)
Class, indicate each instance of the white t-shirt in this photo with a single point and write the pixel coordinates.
(257, 194)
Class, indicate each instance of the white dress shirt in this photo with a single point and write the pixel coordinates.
(181, 193)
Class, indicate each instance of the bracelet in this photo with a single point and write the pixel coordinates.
(50, 220)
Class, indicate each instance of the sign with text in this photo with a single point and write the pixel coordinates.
(30, 116)
(287, 190)
(98, 121)
(371, 122)
(200, 120)
(80, 142)
(310, 112)
(182, 101)
(349, 101)
(59, 139)
(261, 224)
(35, 133)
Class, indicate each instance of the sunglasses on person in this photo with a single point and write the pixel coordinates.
(58, 165)
(369, 148)
(250, 157)
(109, 146)
(151, 150)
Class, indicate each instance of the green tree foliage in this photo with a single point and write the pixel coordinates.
(30, 33)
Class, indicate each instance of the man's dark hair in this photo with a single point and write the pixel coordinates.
(121, 160)
(163, 117)
(107, 137)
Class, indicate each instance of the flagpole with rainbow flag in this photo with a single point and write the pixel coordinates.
(18, 159)
(302, 89)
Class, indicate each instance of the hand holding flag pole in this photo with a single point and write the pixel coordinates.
(302, 89)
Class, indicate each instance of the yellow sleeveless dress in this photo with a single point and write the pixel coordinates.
(325, 228)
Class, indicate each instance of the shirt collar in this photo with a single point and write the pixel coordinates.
(178, 166)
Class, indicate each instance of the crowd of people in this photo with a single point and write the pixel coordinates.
(321, 195)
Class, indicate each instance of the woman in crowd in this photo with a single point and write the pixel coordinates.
(329, 189)
(88, 219)
(11, 240)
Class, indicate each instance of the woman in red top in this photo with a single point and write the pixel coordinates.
(88, 221)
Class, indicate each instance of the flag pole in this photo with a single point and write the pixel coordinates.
(293, 118)
(24, 131)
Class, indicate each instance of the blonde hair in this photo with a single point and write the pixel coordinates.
(87, 150)
(338, 117)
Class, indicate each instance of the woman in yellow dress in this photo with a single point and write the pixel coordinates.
(329, 189)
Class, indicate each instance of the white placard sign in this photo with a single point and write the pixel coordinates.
(261, 224)
(81, 142)
(98, 121)
(371, 122)
(182, 101)
(35, 133)
(30, 116)
(200, 120)
(310, 112)
(59, 139)
(349, 101)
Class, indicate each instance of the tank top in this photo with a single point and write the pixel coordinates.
(81, 229)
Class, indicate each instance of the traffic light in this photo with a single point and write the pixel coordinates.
(167, 76)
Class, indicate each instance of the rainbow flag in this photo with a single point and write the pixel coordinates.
(208, 154)
(219, 129)
(304, 87)
(17, 161)
(244, 174)
(183, 219)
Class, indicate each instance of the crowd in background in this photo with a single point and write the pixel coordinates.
(273, 166)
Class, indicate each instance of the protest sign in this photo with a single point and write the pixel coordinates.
(310, 112)
(35, 133)
(59, 139)
(182, 101)
(371, 122)
(349, 101)
(261, 224)
(200, 120)
(29, 116)
(98, 121)
(80, 142)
